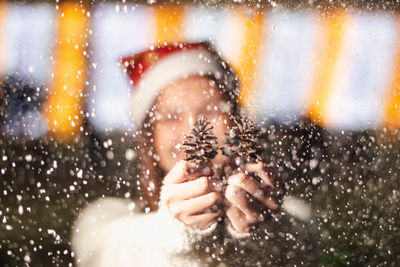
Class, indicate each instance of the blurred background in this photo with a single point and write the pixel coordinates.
(321, 77)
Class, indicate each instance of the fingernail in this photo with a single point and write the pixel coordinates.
(271, 204)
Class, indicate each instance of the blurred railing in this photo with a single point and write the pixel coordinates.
(340, 68)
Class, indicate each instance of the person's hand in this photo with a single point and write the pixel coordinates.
(190, 200)
(249, 199)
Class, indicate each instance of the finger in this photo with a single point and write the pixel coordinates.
(239, 198)
(245, 182)
(254, 167)
(198, 205)
(253, 187)
(237, 219)
(177, 173)
(265, 178)
(202, 221)
(187, 190)
(258, 168)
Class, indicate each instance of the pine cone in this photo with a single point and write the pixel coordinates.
(242, 141)
(201, 145)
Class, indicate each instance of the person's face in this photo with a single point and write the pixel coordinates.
(178, 106)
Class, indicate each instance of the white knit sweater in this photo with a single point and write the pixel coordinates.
(110, 232)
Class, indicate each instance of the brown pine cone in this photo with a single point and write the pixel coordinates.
(242, 141)
(201, 145)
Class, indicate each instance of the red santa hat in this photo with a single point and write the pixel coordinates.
(150, 71)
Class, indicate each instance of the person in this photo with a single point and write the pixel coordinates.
(189, 219)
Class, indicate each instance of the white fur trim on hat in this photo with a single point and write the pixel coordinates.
(180, 64)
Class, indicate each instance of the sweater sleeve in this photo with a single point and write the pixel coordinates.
(110, 232)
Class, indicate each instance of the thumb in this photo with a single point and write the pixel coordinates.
(177, 174)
